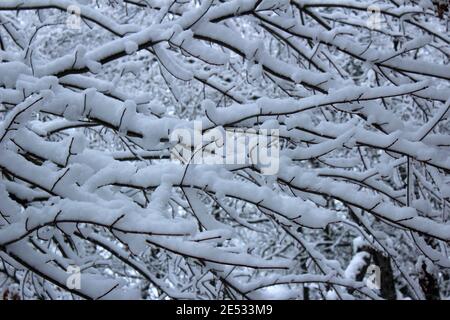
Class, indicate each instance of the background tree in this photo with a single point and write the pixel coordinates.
(91, 93)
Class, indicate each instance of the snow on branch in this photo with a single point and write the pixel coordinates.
(238, 149)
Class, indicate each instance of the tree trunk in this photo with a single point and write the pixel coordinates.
(429, 284)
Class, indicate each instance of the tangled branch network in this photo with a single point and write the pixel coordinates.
(93, 204)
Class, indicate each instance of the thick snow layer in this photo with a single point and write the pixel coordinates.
(134, 137)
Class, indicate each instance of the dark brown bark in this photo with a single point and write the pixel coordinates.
(429, 284)
(387, 283)
(387, 287)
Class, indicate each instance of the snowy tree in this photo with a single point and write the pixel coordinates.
(94, 94)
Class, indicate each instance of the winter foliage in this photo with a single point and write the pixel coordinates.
(94, 206)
